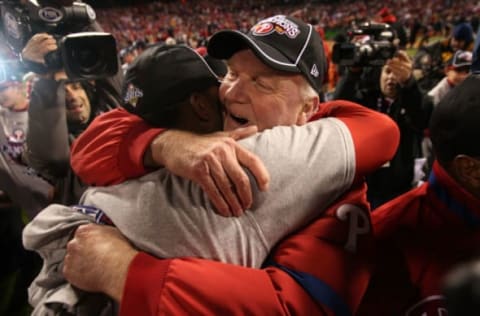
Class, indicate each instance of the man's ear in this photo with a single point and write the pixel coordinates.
(310, 107)
(200, 106)
(467, 170)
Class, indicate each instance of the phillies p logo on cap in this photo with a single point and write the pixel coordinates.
(279, 24)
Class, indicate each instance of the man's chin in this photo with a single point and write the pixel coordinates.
(83, 119)
(391, 93)
(78, 119)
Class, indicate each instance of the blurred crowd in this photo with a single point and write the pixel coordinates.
(417, 24)
(193, 22)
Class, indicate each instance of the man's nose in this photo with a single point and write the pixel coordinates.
(69, 93)
(235, 90)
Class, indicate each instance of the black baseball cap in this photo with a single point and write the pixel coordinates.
(281, 42)
(163, 76)
(454, 124)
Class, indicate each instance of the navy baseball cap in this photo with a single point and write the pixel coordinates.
(463, 32)
(162, 76)
(281, 42)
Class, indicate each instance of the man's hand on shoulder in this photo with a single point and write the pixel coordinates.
(215, 162)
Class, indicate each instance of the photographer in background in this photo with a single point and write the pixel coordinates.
(398, 96)
(59, 111)
(24, 193)
(91, 54)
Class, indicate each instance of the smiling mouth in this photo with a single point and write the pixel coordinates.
(239, 120)
(391, 85)
(76, 108)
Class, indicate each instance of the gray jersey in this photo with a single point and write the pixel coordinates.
(440, 90)
(165, 215)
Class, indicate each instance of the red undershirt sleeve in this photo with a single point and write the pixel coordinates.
(111, 150)
(375, 135)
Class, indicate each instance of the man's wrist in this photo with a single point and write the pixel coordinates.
(153, 157)
(35, 67)
(157, 151)
(115, 283)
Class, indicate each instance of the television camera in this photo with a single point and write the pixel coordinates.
(83, 55)
(367, 44)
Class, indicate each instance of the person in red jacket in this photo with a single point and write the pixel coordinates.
(322, 269)
(424, 233)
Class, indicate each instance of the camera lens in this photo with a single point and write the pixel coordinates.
(87, 58)
(89, 55)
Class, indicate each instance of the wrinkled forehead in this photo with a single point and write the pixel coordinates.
(246, 60)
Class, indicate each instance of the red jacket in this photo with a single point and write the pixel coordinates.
(322, 270)
(111, 150)
(420, 236)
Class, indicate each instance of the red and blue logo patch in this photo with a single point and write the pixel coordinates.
(279, 24)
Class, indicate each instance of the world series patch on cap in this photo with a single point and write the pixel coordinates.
(281, 42)
(165, 75)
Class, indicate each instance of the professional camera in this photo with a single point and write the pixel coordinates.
(83, 55)
(368, 44)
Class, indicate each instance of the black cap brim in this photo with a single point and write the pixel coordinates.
(225, 44)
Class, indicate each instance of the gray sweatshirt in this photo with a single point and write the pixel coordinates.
(167, 216)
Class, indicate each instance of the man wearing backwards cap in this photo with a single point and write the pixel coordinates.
(265, 88)
(456, 71)
(441, 52)
(422, 234)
